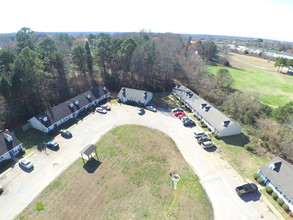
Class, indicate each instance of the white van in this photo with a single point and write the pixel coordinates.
(207, 144)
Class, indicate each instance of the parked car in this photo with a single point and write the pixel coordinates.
(1, 189)
(177, 110)
(52, 145)
(188, 122)
(178, 113)
(106, 107)
(101, 110)
(207, 144)
(65, 133)
(151, 108)
(182, 115)
(246, 189)
(203, 139)
(26, 163)
(199, 134)
(140, 111)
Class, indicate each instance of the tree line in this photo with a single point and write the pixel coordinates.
(40, 70)
(282, 62)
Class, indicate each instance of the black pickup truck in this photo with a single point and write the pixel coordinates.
(246, 188)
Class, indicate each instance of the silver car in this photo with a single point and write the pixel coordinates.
(26, 163)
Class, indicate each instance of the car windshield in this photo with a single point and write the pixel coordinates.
(26, 162)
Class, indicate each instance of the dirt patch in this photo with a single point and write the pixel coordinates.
(132, 181)
(251, 63)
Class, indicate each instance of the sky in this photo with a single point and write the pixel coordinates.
(268, 19)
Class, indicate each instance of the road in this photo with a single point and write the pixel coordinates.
(216, 175)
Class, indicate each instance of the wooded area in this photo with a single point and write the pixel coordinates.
(40, 70)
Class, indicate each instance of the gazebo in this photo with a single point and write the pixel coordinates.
(88, 151)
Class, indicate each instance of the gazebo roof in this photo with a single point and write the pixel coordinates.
(88, 149)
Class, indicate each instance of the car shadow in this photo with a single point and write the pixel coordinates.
(66, 137)
(26, 170)
(91, 165)
(53, 149)
(211, 149)
(251, 197)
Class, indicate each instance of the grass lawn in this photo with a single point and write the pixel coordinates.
(274, 89)
(245, 162)
(131, 181)
(276, 205)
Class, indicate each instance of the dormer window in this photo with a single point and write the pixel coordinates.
(226, 123)
(88, 96)
(71, 105)
(76, 102)
(203, 105)
(45, 118)
(207, 108)
(104, 88)
(8, 137)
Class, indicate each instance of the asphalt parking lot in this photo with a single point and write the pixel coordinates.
(217, 176)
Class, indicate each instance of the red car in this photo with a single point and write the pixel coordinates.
(106, 107)
(182, 115)
(178, 113)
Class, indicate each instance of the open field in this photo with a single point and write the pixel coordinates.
(251, 63)
(131, 181)
(274, 89)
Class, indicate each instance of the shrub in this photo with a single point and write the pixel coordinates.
(40, 206)
(260, 180)
(249, 147)
(269, 190)
(256, 176)
(280, 201)
(285, 207)
(275, 196)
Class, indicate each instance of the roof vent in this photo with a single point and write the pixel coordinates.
(70, 105)
(88, 96)
(207, 108)
(8, 137)
(145, 95)
(203, 105)
(190, 95)
(226, 123)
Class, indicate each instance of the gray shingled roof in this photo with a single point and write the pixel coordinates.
(6, 145)
(215, 117)
(280, 173)
(132, 94)
(62, 110)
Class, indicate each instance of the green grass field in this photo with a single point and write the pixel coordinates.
(274, 89)
(130, 181)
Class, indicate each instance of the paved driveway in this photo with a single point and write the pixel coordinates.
(217, 176)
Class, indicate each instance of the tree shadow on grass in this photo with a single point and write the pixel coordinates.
(237, 140)
(91, 165)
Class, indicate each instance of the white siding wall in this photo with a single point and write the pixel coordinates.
(38, 125)
(14, 151)
(149, 98)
